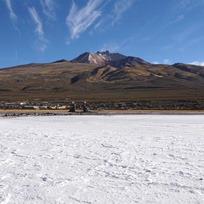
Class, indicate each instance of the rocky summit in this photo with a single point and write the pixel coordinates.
(107, 58)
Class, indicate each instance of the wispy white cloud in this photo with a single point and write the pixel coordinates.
(197, 63)
(116, 14)
(183, 4)
(196, 40)
(163, 27)
(99, 23)
(187, 5)
(183, 36)
(79, 20)
(37, 21)
(178, 19)
(120, 8)
(48, 8)
(13, 16)
(41, 45)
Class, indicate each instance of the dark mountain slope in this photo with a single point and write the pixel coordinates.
(199, 70)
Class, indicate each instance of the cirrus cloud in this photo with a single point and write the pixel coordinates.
(13, 16)
(78, 20)
(37, 21)
(120, 8)
(41, 44)
(48, 8)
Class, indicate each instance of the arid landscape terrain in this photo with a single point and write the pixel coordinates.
(125, 79)
(101, 102)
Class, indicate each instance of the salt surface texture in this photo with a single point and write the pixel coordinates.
(102, 159)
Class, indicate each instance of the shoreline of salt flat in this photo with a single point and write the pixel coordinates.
(24, 113)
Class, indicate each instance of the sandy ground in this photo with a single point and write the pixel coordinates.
(2, 111)
(155, 159)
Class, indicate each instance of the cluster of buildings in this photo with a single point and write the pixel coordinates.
(121, 105)
(43, 105)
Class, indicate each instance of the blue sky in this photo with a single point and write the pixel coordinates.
(159, 31)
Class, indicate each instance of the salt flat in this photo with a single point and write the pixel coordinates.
(102, 159)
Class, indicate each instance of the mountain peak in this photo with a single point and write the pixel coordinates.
(99, 58)
(103, 58)
(90, 58)
(102, 53)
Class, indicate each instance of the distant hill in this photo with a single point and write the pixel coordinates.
(102, 76)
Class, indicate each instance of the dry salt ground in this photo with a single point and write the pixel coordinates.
(102, 159)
